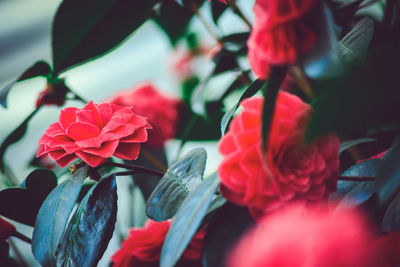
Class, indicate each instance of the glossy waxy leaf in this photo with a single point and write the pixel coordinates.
(53, 217)
(22, 203)
(91, 227)
(14, 136)
(249, 92)
(85, 29)
(187, 221)
(40, 68)
(224, 230)
(181, 178)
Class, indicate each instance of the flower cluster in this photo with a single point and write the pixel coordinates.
(290, 170)
(94, 134)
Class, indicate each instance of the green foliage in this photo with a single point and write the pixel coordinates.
(217, 10)
(83, 30)
(187, 220)
(181, 178)
(91, 227)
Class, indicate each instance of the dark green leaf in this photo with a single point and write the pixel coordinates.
(53, 217)
(181, 178)
(174, 19)
(354, 45)
(346, 145)
(91, 227)
(224, 60)
(187, 221)
(217, 9)
(224, 230)
(85, 29)
(236, 38)
(40, 68)
(14, 136)
(391, 219)
(249, 92)
(22, 203)
(388, 178)
(270, 93)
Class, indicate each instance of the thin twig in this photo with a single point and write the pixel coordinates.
(134, 168)
(160, 166)
(22, 237)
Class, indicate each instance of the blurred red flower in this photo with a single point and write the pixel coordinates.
(384, 251)
(162, 112)
(6, 229)
(289, 171)
(281, 33)
(305, 238)
(53, 94)
(94, 134)
(143, 246)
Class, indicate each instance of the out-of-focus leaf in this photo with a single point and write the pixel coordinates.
(224, 60)
(217, 9)
(358, 195)
(391, 219)
(85, 29)
(354, 45)
(181, 178)
(367, 168)
(224, 230)
(270, 93)
(53, 217)
(40, 68)
(187, 221)
(388, 178)
(249, 92)
(174, 18)
(91, 227)
(22, 203)
(346, 145)
(236, 38)
(14, 136)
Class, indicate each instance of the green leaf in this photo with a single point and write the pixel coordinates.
(236, 38)
(174, 19)
(22, 203)
(224, 60)
(217, 9)
(249, 92)
(40, 68)
(91, 227)
(270, 94)
(85, 29)
(224, 230)
(346, 145)
(181, 178)
(388, 178)
(391, 219)
(187, 221)
(14, 136)
(53, 217)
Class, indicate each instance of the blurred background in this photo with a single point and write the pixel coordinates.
(147, 55)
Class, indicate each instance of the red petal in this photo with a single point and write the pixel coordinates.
(62, 162)
(90, 114)
(128, 151)
(80, 131)
(67, 116)
(90, 159)
(139, 136)
(106, 150)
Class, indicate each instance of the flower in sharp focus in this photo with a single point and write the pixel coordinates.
(143, 246)
(298, 237)
(289, 171)
(94, 134)
(162, 112)
(281, 33)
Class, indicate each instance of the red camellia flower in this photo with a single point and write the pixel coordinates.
(281, 33)
(6, 229)
(305, 238)
(94, 134)
(160, 111)
(143, 246)
(289, 171)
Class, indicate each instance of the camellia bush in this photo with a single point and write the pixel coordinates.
(308, 133)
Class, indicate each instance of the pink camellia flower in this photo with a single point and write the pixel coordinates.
(298, 237)
(162, 112)
(143, 247)
(290, 170)
(281, 33)
(94, 134)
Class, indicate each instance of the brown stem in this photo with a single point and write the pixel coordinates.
(160, 166)
(22, 237)
(134, 169)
